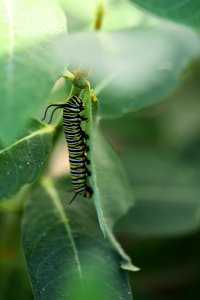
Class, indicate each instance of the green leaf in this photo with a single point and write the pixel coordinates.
(186, 12)
(27, 60)
(22, 162)
(12, 266)
(112, 193)
(114, 196)
(167, 195)
(66, 254)
(118, 14)
(129, 77)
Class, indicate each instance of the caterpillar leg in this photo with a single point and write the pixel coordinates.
(88, 173)
(87, 161)
(87, 148)
(84, 135)
(83, 118)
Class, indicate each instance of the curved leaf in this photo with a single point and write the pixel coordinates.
(186, 12)
(28, 66)
(22, 162)
(167, 195)
(66, 255)
(134, 68)
(162, 211)
(110, 181)
(112, 193)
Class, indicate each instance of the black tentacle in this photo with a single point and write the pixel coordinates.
(53, 113)
(58, 106)
(75, 195)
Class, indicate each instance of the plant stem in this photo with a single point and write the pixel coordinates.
(100, 12)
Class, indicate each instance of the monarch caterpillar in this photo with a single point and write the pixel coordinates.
(76, 141)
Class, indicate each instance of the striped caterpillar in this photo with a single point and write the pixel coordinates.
(76, 141)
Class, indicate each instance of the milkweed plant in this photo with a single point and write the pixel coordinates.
(122, 59)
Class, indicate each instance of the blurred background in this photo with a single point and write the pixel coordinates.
(159, 148)
(160, 151)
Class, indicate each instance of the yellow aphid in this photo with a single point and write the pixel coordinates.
(94, 98)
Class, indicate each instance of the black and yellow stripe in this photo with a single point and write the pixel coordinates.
(76, 138)
(76, 141)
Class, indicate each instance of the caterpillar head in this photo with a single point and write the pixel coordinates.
(88, 192)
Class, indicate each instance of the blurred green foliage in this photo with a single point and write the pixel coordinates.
(160, 151)
(146, 195)
(185, 12)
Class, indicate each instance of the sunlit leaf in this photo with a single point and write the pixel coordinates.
(134, 68)
(28, 65)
